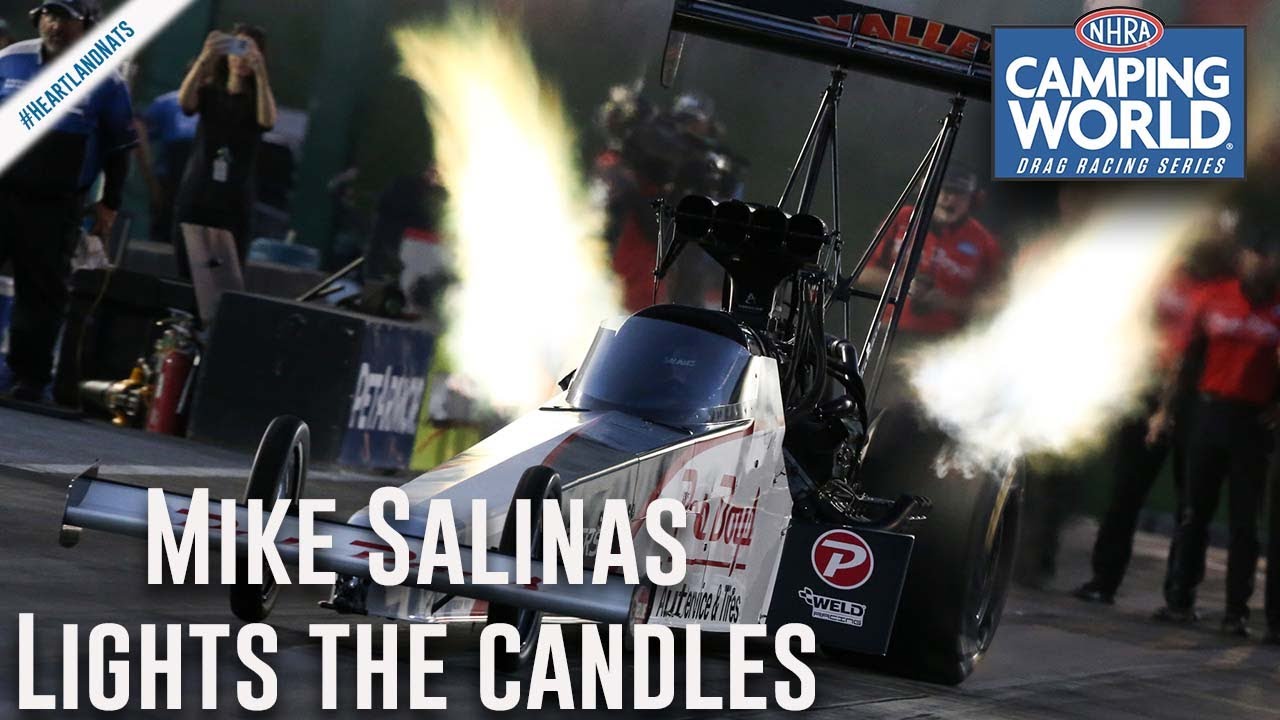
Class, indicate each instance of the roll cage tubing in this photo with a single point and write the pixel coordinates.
(844, 33)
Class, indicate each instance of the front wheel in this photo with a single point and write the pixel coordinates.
(536, 484)
(962, 560)
(279, 473)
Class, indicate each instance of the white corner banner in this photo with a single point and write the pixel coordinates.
(67, 81)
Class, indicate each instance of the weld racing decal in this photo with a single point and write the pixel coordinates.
(833, 609)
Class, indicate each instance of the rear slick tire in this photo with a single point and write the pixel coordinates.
(962, 561)
(279, 472)
(536, 484)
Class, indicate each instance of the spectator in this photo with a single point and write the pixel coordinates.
(6, 36)
(1237, 322)
(228, 86)
(40, 196)
(170, 134)
(1136, 462)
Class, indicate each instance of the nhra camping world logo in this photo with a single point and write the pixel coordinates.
(1118, 96)
(843, 559)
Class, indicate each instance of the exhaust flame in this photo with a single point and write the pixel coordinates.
(1071, 350)
(527, 243)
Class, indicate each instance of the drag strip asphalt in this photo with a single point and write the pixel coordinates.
(1054, 657)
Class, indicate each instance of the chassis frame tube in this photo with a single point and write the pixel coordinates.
(912, 247)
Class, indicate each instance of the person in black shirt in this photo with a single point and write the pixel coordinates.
(41, 194)
(228, 86)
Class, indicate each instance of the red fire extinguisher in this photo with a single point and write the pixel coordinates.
(177, 357)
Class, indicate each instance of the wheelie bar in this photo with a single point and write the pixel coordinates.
(116, 507)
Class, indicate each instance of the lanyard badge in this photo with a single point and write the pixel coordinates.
(221, 164)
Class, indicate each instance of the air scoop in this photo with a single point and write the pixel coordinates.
(758, 245)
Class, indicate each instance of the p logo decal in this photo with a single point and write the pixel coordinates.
(842, 559)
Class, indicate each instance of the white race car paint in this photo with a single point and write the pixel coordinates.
(731, 479)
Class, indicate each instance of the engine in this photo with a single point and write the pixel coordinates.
(775, 286)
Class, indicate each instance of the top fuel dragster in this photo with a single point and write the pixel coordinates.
(801, 506)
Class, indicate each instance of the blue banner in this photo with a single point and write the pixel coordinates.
(1119, 96)
(388, 395)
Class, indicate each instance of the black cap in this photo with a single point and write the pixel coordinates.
(960, 179)
(86, 10)
(1259, 231)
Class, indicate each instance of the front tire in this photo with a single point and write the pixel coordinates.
(279, 472)
(536, 484)
(962, 561)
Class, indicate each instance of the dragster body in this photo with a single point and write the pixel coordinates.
(804, 500)
(696, 416)
(728, 473)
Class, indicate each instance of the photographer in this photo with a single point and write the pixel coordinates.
(651, 154)
(40, 195)
(228, 86)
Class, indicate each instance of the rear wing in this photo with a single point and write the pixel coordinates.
(858, 37)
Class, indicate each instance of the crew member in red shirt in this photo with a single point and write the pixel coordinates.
(959, 261)
(1273, 551)
(1237, 323)
(1136, 464)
